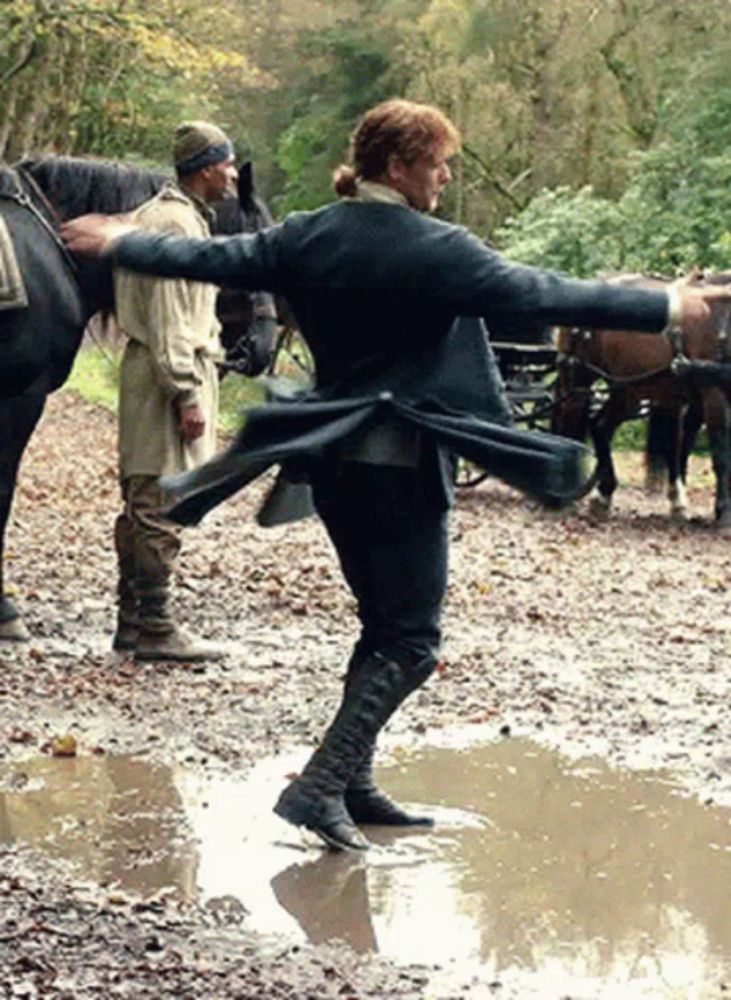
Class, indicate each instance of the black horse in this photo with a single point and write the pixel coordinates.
(248, 319)
(38, 342)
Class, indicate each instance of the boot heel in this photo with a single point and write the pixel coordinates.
(324, 815)
(316, 799)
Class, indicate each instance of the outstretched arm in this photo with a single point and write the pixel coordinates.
(243, 261)
(479, 281)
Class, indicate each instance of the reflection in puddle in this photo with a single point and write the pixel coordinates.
(537, 863)
(120, 820)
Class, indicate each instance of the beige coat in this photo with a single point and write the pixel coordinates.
(170, 358)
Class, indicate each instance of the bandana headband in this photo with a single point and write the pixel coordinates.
(211, 154)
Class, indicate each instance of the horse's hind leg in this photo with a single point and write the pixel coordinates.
(664, 451)
(570, 415)
(602, 427)
(677, 461)
(678, 497)
(718, 421)
(686, 422)
(18, 417)
(692, 423)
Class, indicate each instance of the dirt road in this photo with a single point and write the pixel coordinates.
(588, 636)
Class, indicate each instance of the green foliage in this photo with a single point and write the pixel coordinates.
(629, 99)
(95, 377)
(300, 154)
(575, 232)
(677, 209)
(347, 71)
(238, 394)
(630, 436)
(107, 76)
(675, 214)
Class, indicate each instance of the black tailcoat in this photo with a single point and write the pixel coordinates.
(377, 290)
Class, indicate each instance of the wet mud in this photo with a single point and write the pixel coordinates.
(574, 748)
(535, 861)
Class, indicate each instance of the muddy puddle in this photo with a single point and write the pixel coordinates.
(539, 865)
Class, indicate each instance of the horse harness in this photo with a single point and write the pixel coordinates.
(680, 364)
(19, 186)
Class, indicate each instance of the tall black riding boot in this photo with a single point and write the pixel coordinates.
(364, 800)
(315, 799)
(367, 804)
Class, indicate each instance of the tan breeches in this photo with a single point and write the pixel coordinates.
(147, 548)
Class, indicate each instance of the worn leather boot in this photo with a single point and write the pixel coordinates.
(127, 629)
(316, 799)
(364, 800)
(174, 645)
(158, 637)
(368, 805)
(125, 634)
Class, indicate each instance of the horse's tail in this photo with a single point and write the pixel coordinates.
(669, 442)
(657, 447)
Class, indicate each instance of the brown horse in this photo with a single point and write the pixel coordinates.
(684, 381)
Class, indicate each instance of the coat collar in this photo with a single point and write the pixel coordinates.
(171, 191)
(373, 191)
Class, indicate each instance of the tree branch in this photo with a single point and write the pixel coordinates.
(20, 65)
(517, 203)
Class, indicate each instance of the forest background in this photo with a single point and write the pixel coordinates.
(597, 133)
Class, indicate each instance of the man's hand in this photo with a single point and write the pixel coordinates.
(696, 304)
(95, 234)
(192, 422)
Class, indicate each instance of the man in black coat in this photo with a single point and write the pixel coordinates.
(377, 287)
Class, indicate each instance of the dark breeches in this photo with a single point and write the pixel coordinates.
(392, 545)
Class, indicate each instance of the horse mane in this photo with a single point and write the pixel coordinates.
(76, 186)
(231, 218)
(244, 213)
